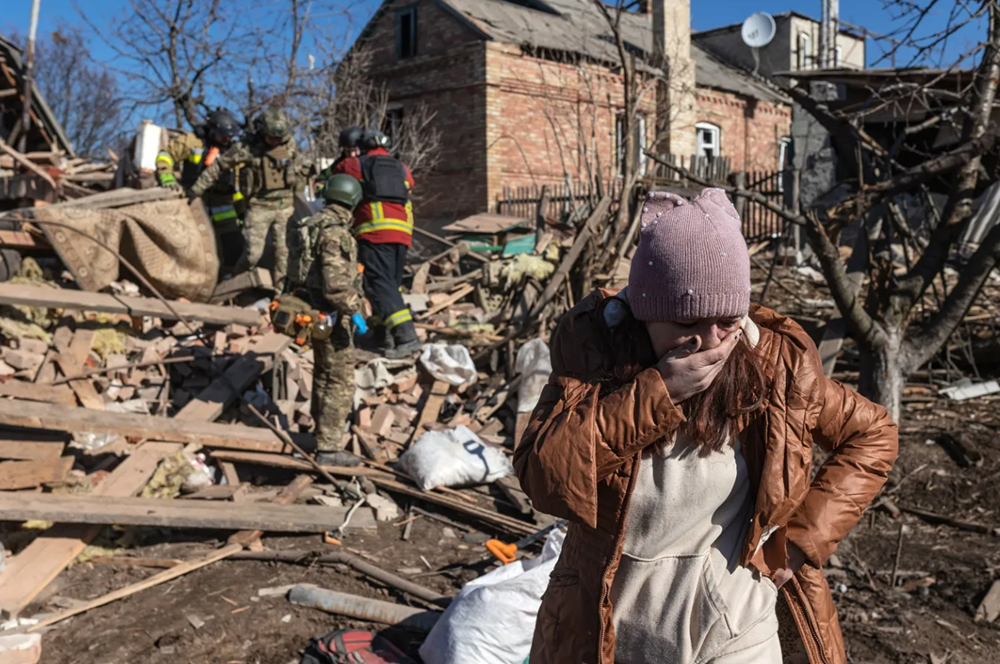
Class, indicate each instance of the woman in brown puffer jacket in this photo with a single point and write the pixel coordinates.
(676, 434)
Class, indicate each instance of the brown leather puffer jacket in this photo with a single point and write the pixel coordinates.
(580, 452)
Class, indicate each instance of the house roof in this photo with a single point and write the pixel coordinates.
(736, 27)
(577, 26)
(12, 54)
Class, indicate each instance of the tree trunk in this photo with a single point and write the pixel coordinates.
(884, 370)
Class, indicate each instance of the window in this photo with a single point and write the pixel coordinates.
(639, 135)
(708, 140)
(786, 162)
(804, 54)
(406, 32)
(392, 125)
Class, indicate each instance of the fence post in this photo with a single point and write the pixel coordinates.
(796, 208)
(543, 202)
(740, 182)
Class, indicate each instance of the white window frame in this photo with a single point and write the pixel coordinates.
(714, 131)
(784, 146)
(804, 46)
(640, 148)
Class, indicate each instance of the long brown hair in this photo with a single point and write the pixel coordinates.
(714, 417)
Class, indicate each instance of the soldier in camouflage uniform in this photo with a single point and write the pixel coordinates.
(195, 151)
(270, 160)
(323, 270)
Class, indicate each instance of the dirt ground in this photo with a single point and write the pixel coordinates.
(943, 571)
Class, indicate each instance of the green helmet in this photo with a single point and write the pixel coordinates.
(344, 190)
(274, 124)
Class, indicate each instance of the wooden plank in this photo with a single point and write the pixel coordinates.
(22, 240)
(134, 425)
(27, 163)
(57, 394)
(58, 298)
(155, 580)
(287, 496)
(29, 572)
(432, 406)
(383, 481)
(72, 360)
(258, 359)
(269, 517)
(462, 292)
(30, 450)
(230, 288)
(29, 474)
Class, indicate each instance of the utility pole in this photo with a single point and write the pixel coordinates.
(29, 66)
(829, 26)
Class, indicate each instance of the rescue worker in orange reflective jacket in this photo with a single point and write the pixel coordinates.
(383, 227)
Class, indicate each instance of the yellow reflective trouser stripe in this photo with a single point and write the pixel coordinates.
(385, 225)
(223, 212)
(398, 318)
(166, 158)
(194, 158)
(238, 196)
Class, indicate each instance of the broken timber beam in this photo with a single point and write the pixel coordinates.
(133, 425)
(59, 298)
(29, 572)
(122, 511)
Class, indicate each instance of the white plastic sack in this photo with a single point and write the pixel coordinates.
(493, 618)
(452, 364)
(534, 363)
(453, 457)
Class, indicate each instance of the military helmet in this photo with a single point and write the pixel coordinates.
(223, 124)
(274, 124)
(373, 138)
(343, 190)
(351, 137)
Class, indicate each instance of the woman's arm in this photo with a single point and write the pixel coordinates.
(864, 442)
(576, 438)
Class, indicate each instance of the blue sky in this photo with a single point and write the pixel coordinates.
(705, 14)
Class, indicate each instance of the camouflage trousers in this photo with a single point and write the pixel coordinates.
(262, 218)
(333, 387)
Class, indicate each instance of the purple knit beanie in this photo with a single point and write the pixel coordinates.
(692, 260)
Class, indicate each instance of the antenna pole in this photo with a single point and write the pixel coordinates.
(828, 29)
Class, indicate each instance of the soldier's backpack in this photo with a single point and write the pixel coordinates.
(384, 179)
(348, 646)
(303, 234)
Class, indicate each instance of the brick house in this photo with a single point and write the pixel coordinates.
(528, 92)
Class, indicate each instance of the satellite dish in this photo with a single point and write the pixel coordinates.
(758, 30)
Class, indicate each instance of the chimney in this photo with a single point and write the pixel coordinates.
(644, 6)
(675, 97)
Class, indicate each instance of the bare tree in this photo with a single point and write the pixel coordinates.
(897, 326)
(174, 55)
(83, 95)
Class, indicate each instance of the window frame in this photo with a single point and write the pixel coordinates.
(803, 46)
(411, 12)
(641, 163)
(716, 131)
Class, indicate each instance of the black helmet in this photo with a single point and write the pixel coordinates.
(222, 125)
(351, 137)
(343, 189)
(373, 138)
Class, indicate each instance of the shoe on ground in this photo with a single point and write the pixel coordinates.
(340, 458)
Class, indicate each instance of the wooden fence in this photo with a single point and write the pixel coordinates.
(760, 223)
(522, 202)
(713, 169)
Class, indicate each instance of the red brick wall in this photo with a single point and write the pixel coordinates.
(547, 120)
(447, 76)
(750, 130)
(511, 119)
